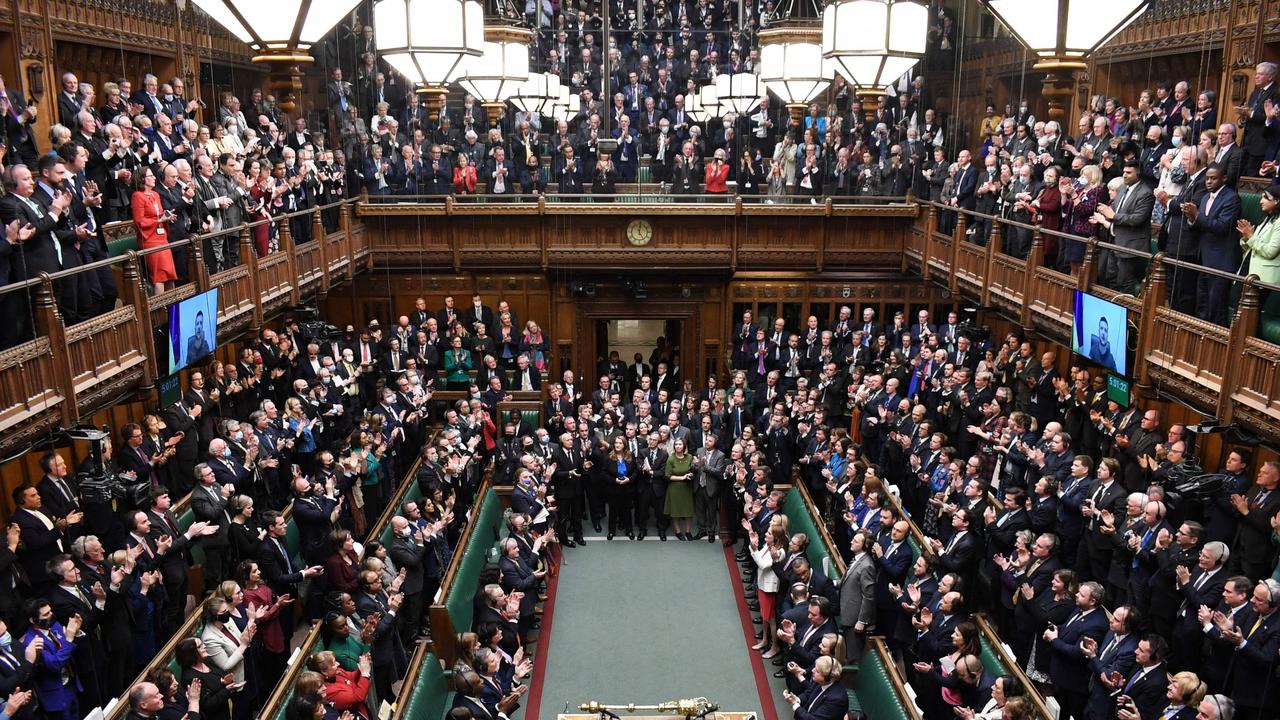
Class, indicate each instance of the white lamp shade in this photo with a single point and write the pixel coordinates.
(873, 42)
(1066, 28)
(740, 92)
(495, 75)
(537, 95)
(704, 105)
(274, 25)
(795, 71)
(429, 41)
(568, 106)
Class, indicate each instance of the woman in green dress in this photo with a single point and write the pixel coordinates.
(679, 506)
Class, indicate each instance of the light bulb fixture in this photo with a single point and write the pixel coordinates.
(739, 93)
(874, 42)
(429, 42)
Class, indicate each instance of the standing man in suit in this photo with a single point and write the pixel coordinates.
(964, 183)
(209, 504)
(1228, 154)
(567, 482)
(1259, 134)
(1129, 219)
(1254, 555)
(858, 595)
(805, 638)
(1201, 587)
(651, 492)
(389, 659)
(44, 250)
(1068, 667)
(408, 552)
(1113, 655)
(823, 697)
(1181, 238)
(1219, 241)
(1256, 644)
(41, 536)
(1146, 683)
(709, 464)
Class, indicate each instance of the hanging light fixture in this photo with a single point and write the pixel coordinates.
(278, 30)
(429, 42)
(281, 32)
(1062, 33)
(501, 69)
(792, 65)
(739, 93)
(568, 106)
(874, 42)
(703, 105)
(538, 94)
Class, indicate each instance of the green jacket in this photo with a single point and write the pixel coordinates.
(1264, 252)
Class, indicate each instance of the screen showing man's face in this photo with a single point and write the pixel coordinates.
(1104, 340)
(199, 324)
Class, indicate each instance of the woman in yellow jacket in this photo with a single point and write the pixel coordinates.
(1262, 242)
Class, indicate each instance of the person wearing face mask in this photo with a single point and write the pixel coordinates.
(226, 645)
(17, 664)
(54, 678)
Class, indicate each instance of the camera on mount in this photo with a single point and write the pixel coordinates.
(97, 484)
(313, 327)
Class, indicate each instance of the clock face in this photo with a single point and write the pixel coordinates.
(639, 232)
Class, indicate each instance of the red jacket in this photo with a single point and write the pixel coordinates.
(347, 691)
(715, 180)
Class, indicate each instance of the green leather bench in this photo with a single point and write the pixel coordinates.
(431, 696)
(487, 528)
(801, 520)
(1269, 313)
(120, 238)
(874, 693)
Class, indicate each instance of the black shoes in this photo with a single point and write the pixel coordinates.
(780, 673)
(701, 534)
(641, 535)
(596, 525)
(580, 541)
(609, 536)
(662, 536)
(711, 538)
(753, 606)
(570, 543)
(777, 661)
(632, 535)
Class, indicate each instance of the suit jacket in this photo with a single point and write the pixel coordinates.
(1131, 225)
(1252, 542)
(37, 254)
(712, 473)
(805, 651)
(1119, 658)
(205, 507)
(823, 703)
(39, 543)
(1257, 134)
(407, 555)
(47, 678)
(1181, 235)
(857, 592)
(387, 647)
(225, 653)
(1068, 666)
(1216, 232)
(518, 576)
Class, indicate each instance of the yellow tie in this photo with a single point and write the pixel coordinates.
(1256, 623)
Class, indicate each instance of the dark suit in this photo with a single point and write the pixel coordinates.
(1219, 249)
(1259, 136)
(39, 545)
(212, 508)
(1182, 242)
(1068, 668)
(389, 659)
(1252, 552)
(823, 703)
(1113, 656)
(1148, 690)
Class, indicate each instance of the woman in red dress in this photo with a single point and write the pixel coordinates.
(151, 221)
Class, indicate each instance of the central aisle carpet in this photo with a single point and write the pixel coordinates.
(644, 622)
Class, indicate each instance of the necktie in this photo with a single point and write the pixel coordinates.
(1208, 203)
(1253, 629)
(1261, 498)
(288, 564)
(1115, 640)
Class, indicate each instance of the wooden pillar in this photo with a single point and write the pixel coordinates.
(249, 254)
(322, 253)
(930, 226)
(49, 323)
(197, 271)
(345, 221)
(291, 251)
(994, 246)
(1034, 258)
(1153, 297)
(132, 294)
(1089, 268)
(953, 279)
(1244, 325)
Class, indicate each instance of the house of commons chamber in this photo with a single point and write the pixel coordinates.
(643, 359)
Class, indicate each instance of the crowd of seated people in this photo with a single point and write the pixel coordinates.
(313, 432)
(1166, 168)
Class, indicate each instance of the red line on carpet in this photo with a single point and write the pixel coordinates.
(767, 708)
(533, 703)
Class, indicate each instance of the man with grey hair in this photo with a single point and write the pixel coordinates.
(209, 206)
(1259, 132)
(148, 97)
(1228, 154)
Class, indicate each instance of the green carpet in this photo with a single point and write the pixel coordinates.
(644, 622)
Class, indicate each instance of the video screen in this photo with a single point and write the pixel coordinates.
(1100, 332)
(193, 330)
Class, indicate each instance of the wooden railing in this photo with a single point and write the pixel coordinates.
(68, 372)
(1228, 373)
